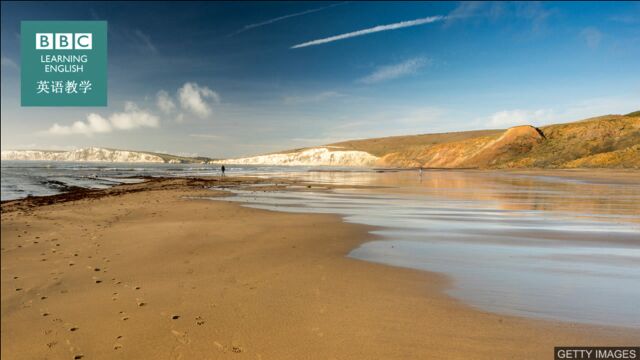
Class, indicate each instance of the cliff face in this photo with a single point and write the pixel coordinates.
(608, 141)
(321, 156)
(485, 151)
(88, 154)
(611, 141)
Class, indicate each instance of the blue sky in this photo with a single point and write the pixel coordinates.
(226, 79)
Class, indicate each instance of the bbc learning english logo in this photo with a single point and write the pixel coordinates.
(63, 63)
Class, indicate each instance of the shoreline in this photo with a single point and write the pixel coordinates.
(627, 176)
(243, 283)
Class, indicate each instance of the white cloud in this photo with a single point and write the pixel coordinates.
(164, 102)
(394, 26)
(574, 111)
(194, 98)
(95, 124)
(390, 72)
(508, 118)
(191, 97)
(131, 118)
(534, 12)
(592, 36)
(466, 9)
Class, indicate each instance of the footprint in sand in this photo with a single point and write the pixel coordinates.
(181, 337)
(218, 345)
(199, 320)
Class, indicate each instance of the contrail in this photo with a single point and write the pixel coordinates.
(271, 21)
(399, 25)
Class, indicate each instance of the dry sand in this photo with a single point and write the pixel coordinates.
(146, 273)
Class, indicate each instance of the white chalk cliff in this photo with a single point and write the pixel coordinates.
(320, 156)
(88, 154)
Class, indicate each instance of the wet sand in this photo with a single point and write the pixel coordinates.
(142, 271)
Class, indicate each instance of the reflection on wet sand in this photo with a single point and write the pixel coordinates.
(586, 193)
(530, 244)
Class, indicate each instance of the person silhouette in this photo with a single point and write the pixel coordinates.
(222, 169)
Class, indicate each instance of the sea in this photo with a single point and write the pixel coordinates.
(523, 244)
(41, 178)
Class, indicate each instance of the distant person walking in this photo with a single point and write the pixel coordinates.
(222, 169)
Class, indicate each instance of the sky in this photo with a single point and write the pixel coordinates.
(241, 78)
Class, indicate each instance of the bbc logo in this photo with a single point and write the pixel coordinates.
(64, 41)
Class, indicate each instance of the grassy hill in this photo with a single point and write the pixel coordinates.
(386, 145)
(611, 141)
(607, 141)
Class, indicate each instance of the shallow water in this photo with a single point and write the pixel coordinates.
(41, 178)
(535, 246)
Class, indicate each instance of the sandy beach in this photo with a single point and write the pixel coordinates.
(144, 271)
